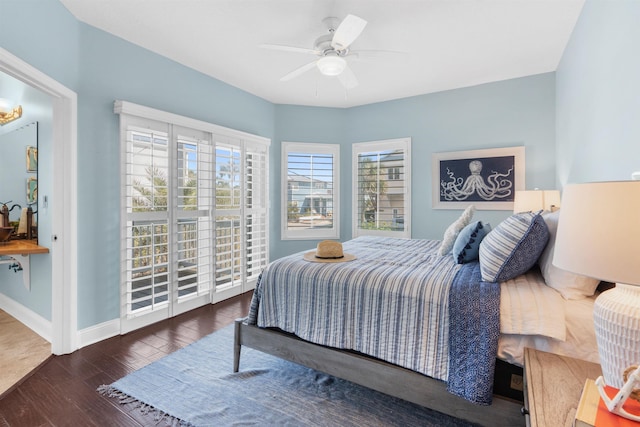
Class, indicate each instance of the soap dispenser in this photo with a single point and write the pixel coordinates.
(4, 214)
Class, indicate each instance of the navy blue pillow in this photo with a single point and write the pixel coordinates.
(467, 245)
(513, 247)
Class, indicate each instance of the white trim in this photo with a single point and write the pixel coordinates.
(31, 319)
(64, 271)
(125, 107)
(376, 146)
(97, 333)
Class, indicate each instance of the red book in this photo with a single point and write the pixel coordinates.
(592, 411)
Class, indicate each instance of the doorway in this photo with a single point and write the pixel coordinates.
(63, 326)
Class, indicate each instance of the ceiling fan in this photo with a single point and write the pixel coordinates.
(332, 49)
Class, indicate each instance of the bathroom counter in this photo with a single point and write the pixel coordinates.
(22, 247)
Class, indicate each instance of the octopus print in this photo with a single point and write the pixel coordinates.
(498, 185)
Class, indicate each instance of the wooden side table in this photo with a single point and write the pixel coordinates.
(553, 385)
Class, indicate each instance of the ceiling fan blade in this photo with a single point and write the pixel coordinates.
(347, 78)
(348, 30)
(295, 73)
(289, 48)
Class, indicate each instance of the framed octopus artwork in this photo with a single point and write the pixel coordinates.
(486, 178)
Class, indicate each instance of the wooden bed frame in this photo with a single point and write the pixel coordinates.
(375, 374)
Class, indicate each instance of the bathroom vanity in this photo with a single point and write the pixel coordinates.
(17, 254)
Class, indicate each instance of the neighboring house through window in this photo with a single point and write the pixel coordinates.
(382, 188)
(310, 184)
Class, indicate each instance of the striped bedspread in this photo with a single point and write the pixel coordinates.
(391, 303)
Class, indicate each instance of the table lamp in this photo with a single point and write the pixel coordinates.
(536, 200)
(599, 236)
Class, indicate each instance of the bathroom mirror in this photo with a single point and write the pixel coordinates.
(19, 175)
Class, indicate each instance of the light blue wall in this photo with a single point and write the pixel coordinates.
(518, 112)
(113, 69)
(44, 34)
(101, 69)
(305, 124)
(598, 95)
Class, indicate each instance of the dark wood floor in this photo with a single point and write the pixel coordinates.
(62, 392)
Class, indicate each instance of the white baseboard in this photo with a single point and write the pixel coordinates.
(43, 327)
(96, 333)
(28, 317)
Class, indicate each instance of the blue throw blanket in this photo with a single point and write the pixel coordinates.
(474, 327)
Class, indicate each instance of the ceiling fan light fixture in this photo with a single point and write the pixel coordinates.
(331, 65)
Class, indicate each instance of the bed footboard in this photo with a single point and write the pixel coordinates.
(375, 374)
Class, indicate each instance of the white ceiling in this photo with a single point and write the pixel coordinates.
(449, 43)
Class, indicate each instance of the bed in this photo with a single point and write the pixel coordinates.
(407, 321)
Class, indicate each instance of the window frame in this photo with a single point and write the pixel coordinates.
(319, 149)
(379, 146)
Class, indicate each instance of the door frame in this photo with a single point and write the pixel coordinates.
(64, 272)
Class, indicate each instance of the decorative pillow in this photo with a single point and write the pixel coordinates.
(570, 285)
(513, 247)
(452, 231)
(467, 244)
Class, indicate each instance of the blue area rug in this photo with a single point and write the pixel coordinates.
(196, 386)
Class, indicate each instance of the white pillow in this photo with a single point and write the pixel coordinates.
(570, 285)
(451, 233)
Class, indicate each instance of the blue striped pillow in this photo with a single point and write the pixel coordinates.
(513, 247)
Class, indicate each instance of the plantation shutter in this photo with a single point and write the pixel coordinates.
(146, 256)
(195, 195)
(256, 203)
(228, 226)
(382, 172)
(194, 215)
(310, 195)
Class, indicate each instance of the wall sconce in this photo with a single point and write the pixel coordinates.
(9, 113)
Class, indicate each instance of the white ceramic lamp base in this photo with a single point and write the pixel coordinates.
(616, 315)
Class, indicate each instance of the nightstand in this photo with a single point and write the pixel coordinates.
(552, 387)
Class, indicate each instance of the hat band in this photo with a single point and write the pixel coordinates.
(330, 257)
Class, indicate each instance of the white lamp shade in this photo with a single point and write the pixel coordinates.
(599, 231)
(536, 200)
(598, 235)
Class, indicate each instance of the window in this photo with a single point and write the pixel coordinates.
(194, 213)
(310, 186)
(394, 174)
(382, 190)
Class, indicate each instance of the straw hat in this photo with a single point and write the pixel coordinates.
(328, 251)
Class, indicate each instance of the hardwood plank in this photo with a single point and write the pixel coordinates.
(63, 391)
(17, 410)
